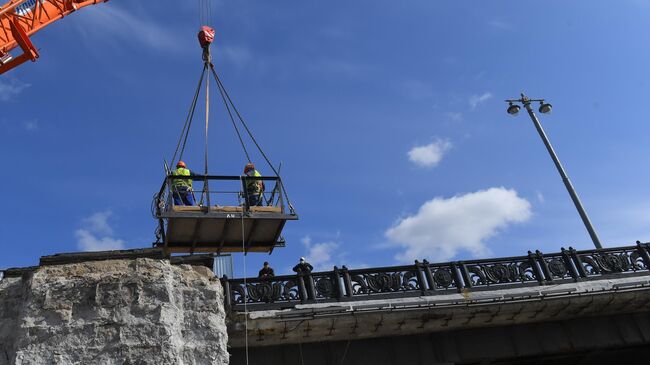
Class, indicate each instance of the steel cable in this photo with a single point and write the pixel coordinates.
(232, 120)
(188, 121)
(250, 134)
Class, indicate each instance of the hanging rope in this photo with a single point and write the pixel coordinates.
(347, 346)
(243, 249)
(207, 121)
(206, 189)
(302, 360)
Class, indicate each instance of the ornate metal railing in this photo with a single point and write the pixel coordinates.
(424, 278)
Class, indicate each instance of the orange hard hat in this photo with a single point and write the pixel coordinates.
(249, 166)
(181, 164)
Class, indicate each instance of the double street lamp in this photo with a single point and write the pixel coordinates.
(544, 108)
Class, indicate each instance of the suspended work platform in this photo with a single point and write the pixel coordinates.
(222, 220)
(206, 213)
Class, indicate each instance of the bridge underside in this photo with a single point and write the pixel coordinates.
(615, 339)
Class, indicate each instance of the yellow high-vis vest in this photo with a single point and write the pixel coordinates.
(254, 186)
(181, 171)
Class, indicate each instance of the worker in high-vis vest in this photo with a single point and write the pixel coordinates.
(182, 188)
(254, 188)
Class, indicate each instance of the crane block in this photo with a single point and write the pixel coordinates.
(206, 36)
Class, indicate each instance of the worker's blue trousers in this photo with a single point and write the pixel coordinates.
(254, 200)
(183, 196)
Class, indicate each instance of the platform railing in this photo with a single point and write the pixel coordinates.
(213, 190)
(424, 278)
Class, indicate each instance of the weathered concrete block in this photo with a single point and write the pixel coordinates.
(141, 311)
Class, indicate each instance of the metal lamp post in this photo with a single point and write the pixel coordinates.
(513, 109)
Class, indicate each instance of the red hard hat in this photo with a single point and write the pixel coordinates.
(181, 164)
(249, 166)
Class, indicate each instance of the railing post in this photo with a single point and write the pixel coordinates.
(280, 197)
(347, 282)
(421, 281)
(429, 275)
(336, 276)
(542, 263)
(206, 189)
(569, 264)
(311, 290)
(465, 273)
(457, 277)
(245, 192)
(535, 267)
(227, 293)
(642, 248)
(301, 288)
(578, 262)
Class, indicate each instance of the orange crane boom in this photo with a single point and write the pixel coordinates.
(19, 19)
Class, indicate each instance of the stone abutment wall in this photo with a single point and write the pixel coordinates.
(135, 311)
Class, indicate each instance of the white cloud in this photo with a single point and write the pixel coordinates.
(540, 197)
(11, 88)
(87, 241)
(429, 155)
(320, 255)
(96, 234)
(443, 227)
(127, 27)
(98, 222)
(475, 100)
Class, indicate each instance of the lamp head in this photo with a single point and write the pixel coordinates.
(545, 108)
(513, 109)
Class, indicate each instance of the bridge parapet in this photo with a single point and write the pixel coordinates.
(424, 278)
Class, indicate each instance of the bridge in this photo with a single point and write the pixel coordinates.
(572, 307)
(540, 308)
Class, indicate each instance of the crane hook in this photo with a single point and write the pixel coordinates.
(206, 37)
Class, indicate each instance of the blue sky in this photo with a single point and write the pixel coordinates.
(388, 118)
